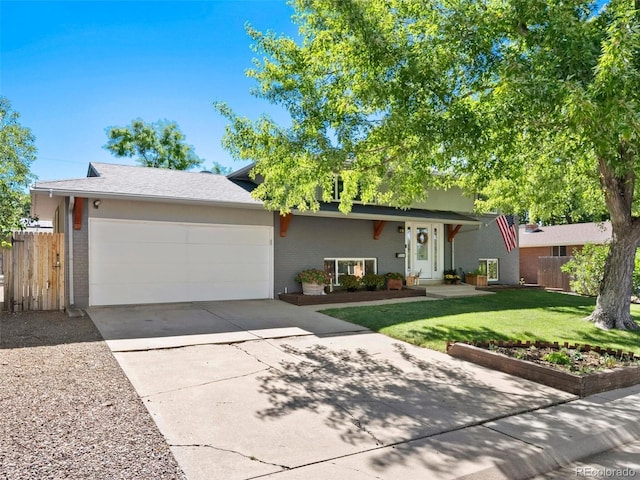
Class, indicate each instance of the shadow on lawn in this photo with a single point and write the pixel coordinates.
(443, 333)
(401, 398)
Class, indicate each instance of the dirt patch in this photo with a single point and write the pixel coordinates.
(568, 359)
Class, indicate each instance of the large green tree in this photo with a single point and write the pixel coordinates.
(533, 103)
(159, 144)
(17, 152)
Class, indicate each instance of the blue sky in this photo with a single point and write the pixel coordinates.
(73, 68)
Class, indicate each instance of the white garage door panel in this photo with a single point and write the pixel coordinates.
(143, 232)
(141, 253)
(142, 273)
(222, 235)
(139, 293)
(226, 254)
(229, 271)
(156, 262)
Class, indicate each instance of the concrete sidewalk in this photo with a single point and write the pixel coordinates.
(294, 394)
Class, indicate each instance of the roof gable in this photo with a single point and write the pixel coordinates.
(563, 235)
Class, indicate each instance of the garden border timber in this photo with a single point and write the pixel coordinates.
(581, 385)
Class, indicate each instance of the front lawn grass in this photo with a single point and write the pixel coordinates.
(506, 315)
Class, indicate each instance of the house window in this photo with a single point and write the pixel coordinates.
(349, 266)
(489, 267)
(339, 187)
(559, 251)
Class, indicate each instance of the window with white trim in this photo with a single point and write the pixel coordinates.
(337, 192)
(337, 267)
(489, 267)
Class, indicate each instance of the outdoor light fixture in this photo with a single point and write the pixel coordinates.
(96, 203)
(401, 229)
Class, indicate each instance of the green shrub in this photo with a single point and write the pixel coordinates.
(313, 275)
(587, 269)
(373, 280)
(559, 358)
(394, 276)
(350, 282)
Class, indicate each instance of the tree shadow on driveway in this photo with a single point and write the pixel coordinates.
(397, 396)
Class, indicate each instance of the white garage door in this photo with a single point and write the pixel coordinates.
(156, 262)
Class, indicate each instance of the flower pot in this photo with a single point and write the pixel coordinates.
(312, 288)
(394, 284)
(478, 280)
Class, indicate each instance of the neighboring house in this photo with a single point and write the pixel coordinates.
(556, 241)
(39, 226)
(146, 235)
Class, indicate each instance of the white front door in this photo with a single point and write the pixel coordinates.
(425, 249)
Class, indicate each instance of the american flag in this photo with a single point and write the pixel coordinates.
(507, 227)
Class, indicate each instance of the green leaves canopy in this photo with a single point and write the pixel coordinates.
(17, 152)
(160, 144)
(518, 99)
(532, 103)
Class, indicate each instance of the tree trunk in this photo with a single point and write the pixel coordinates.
(614, 299)
(613, 306)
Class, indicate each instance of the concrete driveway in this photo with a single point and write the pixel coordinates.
(262, 388)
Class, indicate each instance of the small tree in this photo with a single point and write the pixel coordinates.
(586, 269)
(160, 144)
(17, 152)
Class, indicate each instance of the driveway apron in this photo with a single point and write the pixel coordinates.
(245, 389)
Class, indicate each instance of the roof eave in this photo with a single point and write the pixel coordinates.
(386, 217)
(147, 198)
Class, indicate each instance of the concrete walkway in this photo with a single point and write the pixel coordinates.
(255, 389)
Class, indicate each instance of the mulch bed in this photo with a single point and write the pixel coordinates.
(343, 296)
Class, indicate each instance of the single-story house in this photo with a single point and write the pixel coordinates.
(140, 235)
(556, 241)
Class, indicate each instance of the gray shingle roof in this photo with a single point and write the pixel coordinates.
(152, 183)
(563, 235)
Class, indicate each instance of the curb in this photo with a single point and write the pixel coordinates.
(566, 441)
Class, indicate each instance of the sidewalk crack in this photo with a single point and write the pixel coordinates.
(255, 357)
(186, 387)
(357, 423)
(220, 449)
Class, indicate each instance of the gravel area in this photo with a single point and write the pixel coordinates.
(66, 408)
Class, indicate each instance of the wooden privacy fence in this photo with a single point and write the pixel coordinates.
(550, 275)
(34, 272)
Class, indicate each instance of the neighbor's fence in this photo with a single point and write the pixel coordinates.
(34, 272)
(550, 275)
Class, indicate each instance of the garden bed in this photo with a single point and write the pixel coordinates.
(588, 370)
(343, 296)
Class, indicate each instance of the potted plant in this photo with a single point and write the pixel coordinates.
(394, 280)
(313, 281)
(476, 277)
(451, 277)
(350, 282)
(372, 281)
